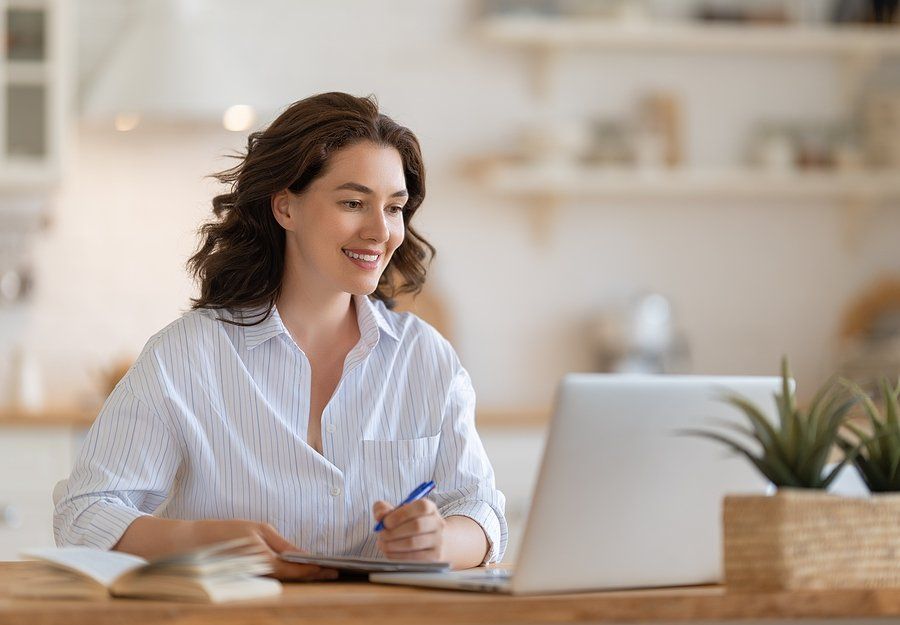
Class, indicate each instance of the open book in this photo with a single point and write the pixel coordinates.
(222, 572)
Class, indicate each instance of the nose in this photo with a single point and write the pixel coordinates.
(376, 227)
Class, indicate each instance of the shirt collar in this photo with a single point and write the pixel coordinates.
(257, 334)
(371, 323)
(368, 315)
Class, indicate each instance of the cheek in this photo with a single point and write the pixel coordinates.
(398, 232)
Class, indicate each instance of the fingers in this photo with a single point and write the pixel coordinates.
(418, 542)
(380, 509)
(411, 532)
(398, 516)
(294, 572)
(291, 571)
(426, 555)
(423, 547)
(276, 541)
(417, 534)
(412, 527)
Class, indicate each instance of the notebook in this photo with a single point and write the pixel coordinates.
(365, 565)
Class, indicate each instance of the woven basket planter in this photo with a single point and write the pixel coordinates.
(800, 539)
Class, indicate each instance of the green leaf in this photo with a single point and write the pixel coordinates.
(774, 474)
(824, 391)
(868, 404)
(787, 393)
(834, 473)
(814, 464)
(890, 403)
(765, 432)
(891, 443)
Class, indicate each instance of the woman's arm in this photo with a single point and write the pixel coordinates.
(124, 470)
(463, 522)
(117, 484)
(463, 472)
(151, 537)
(466, 542)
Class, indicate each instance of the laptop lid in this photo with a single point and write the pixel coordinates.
(621, 499)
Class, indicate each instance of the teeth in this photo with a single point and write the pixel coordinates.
(368, 259)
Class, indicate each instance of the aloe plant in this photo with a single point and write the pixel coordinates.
(878, 454)
(794, 451)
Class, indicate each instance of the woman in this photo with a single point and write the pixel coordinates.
(291, 404)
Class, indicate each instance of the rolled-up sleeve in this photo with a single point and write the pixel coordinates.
(125, 470)
(463, 473)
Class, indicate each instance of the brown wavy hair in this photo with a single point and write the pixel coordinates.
(240, 261)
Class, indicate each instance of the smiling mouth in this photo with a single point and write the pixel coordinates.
(366, 258)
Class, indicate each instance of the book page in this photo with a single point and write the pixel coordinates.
(214, 590)
(101, 566)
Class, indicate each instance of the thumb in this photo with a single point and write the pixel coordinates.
(276, 541)
(381, 509)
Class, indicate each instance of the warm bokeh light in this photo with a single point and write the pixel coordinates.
(239, 117)
(127, 121)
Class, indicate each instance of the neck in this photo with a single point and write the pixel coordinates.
(315, 318)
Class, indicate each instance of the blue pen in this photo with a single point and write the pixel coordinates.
(421, 490)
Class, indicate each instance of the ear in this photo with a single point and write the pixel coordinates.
(283, 210)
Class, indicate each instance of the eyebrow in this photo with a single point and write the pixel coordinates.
(355, 186)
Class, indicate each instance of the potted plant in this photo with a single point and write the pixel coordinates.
(803, 537)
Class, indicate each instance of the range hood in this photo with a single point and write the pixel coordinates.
(179, 60)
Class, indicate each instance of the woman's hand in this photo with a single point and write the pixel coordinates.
(151, 537)
(411, 532)
(213, 531)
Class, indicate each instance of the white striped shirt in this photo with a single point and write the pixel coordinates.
(211, 423)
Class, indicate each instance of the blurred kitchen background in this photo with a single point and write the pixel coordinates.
(613, 185)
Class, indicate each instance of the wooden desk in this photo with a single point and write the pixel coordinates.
(358, 602)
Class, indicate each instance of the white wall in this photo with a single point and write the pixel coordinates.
(749, 281)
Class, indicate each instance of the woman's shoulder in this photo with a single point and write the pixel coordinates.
(170, 350)
(188, 331)
(183, 345)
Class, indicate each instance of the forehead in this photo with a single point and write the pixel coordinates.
(365, 162)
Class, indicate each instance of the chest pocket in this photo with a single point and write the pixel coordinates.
(394, 468)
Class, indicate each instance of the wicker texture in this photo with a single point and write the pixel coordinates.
(800, 539)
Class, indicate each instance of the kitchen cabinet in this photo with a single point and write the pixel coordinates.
(33, 95)
(33, 458)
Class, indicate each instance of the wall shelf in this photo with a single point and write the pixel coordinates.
(552, 32)
(544, 189)
(859, 48)
(748, 184)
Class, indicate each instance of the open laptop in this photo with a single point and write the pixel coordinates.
(622, 499)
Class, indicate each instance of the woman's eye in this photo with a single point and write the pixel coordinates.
(396, 209)
(354, 204)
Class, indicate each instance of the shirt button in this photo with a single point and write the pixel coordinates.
(330, 428)
(335, 491)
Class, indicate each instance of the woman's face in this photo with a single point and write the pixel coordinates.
(343, 229)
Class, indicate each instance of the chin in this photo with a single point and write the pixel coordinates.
(361, 289)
